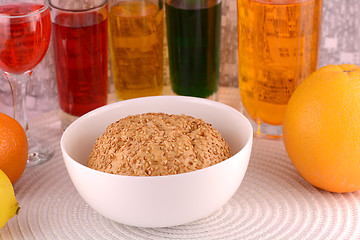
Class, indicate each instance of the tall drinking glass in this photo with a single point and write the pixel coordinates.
(80, 40)
(278, 48)
(193, 31)
(136, 46)
(25, 30)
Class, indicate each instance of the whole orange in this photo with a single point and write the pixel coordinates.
(321, 128)
(13, 148)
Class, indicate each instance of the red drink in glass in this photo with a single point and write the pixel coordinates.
(81, 59)
(23, 42)
(25, 30)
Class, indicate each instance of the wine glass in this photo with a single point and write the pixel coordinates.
(25, 30)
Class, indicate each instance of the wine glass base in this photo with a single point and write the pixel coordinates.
(38, 152)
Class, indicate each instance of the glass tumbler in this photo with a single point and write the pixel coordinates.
(136, 46)
(193, 34)
(278, 42)
(80, 41)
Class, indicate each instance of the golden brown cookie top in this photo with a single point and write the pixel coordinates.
(156, 144)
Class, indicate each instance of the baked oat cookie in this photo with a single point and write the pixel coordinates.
(156, 144)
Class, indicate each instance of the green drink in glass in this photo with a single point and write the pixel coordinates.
(193, 31)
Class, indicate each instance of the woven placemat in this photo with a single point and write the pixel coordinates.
(273, 202)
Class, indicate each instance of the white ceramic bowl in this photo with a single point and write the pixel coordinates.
(159, 201)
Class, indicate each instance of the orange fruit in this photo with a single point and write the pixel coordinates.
(321, 128)
(13, 148)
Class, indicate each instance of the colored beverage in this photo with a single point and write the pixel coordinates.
(80, 48)
(194, 46)
(278, 49)
(23, 42)
(136, 46)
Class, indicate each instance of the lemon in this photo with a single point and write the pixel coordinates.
(9, 206)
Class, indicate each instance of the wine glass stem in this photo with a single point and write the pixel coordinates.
(18, 85)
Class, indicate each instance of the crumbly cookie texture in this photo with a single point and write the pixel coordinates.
(156, 144)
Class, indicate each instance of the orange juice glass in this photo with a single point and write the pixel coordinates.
(278, 42)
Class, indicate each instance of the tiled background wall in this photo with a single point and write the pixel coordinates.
(340, 44)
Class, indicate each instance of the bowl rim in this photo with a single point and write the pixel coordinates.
(68, 158)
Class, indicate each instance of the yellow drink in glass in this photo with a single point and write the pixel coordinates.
(136, 46)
